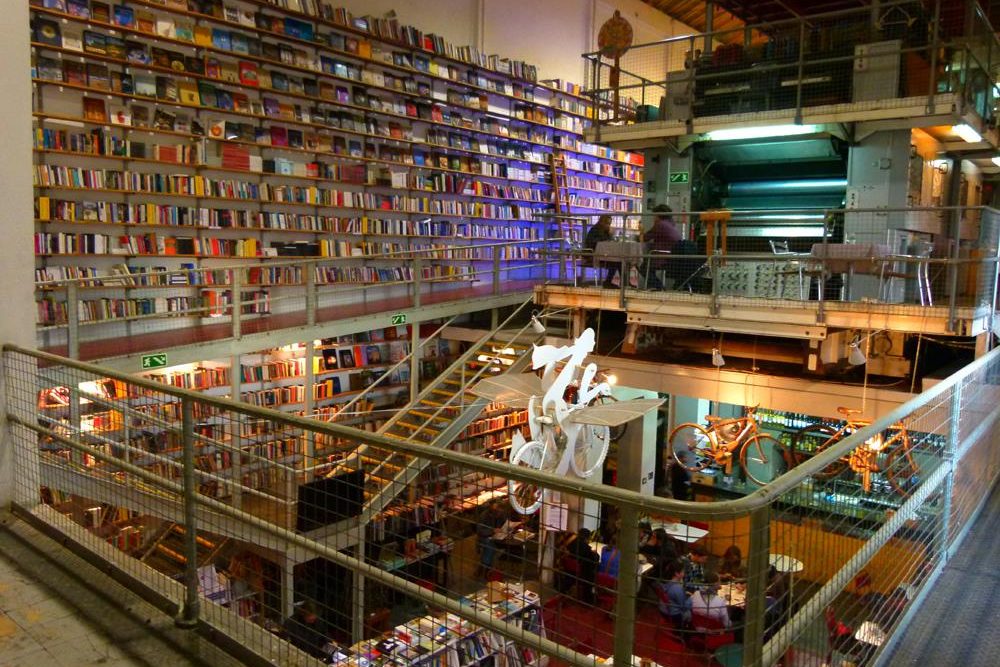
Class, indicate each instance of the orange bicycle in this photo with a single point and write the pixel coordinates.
(887, 454)
(695, 447)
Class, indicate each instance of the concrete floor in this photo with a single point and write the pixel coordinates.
(55, 609)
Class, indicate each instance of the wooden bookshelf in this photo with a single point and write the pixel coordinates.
(226, 127)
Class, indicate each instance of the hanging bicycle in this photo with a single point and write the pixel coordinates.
(566, 435)
(696, 447)
(887, 454)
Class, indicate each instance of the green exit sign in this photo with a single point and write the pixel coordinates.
(680, 177)
(398, 318)
(154, 361)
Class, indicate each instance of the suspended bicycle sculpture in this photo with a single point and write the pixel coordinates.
(566, 435)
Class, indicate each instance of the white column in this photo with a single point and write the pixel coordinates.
(16, 215)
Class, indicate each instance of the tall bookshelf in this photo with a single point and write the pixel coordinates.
(175, 134)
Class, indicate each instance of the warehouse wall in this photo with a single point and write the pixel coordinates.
(550, 34)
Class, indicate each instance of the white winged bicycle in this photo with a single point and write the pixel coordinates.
(570, 416)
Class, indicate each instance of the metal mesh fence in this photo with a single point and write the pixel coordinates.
(130, 301)
(854, 59)
(904, 260)
(384, 547)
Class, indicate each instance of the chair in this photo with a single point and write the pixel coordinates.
(798, 267)
(607, 591)
(920, 250)
(709, 633)
(838, 635)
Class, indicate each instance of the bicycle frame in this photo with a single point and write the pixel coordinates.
(864, 460)
(722, 449)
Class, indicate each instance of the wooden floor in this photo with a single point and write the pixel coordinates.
(92, 350)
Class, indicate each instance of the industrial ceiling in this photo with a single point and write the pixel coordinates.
(730, 15)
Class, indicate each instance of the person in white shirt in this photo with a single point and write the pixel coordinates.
(706, 601)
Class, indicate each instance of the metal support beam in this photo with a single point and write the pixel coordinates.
(237, 304)
(73, 320)
(235, 392)
(312, 295)
(188, 617)
(757, 571)
(358, 597)
(628, 545)
(951, 447)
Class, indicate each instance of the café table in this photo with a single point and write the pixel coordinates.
(616, 252)
(735, 594)
(870, 633)
(785, 564)
(680, 531)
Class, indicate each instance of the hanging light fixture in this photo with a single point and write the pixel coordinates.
(717, 359)
(536, 325)
(856, 356)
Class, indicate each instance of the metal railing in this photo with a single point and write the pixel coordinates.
(274, 293)
(904, 51)
(818, 547)
(893, 260)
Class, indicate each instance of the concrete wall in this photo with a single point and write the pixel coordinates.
(551, 35)
(16, 214)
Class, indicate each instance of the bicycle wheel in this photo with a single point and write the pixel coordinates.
(691, 446)
(590, 449)
(899, 469)
(525, 497)
(761, 459)
(812, 440)
(616, 432)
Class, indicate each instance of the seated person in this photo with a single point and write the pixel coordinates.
(610, 558)
(588, 560)
(777, 590)
(662, 237)
(659, 547)
(694, 565)
(598, 233)
(672, 601)
(706, 601)
(305, 630)
(732, 564)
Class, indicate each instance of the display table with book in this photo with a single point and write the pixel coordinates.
(444, 639)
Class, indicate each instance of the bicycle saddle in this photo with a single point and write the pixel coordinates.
(849, 412)
(711, 419)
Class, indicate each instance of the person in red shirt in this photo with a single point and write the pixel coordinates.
(661, 238)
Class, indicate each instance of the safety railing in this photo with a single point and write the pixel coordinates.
(273, 294)
(899, 259)
(904, 51)
(828, 560)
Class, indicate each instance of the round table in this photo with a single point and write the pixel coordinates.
(870, 633)
(785, 564)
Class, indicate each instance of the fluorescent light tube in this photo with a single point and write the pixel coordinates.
(760, 132)
(967, 133)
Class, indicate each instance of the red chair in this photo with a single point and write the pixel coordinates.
(709, 633)
(568, 575)
(607, 591)
(837, 634)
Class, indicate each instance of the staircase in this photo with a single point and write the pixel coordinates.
(166, 553)
(439, 414)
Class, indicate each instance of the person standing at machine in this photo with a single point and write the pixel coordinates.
(661, 239)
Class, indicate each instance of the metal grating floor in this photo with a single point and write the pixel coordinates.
(959, 623)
